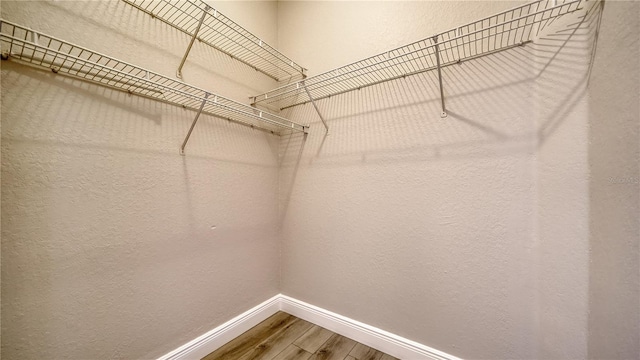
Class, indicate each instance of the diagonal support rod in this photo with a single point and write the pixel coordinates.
(443, 114)
(315, 106)
(186, 139)
(193, 39)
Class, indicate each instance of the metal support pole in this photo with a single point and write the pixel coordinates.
(443, 114)
(315, 106)
(193, 39)
(186, 139)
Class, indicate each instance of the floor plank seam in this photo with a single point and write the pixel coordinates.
(286, 337)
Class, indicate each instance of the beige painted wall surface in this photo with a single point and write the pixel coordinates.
(470, 234)
(562, 192)
(507, 230)
(614, 191)
(108, 249)
(418, 225)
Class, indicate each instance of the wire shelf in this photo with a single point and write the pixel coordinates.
(194, 17)
(41, 50)
(502, 31)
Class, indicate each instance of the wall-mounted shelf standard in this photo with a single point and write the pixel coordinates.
(200, 21)
(508, 29)
(40, 50)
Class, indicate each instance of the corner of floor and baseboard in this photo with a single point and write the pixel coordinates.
(379, 339)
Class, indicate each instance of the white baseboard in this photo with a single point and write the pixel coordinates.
(371, 336)
(207, 343)
(366, 334)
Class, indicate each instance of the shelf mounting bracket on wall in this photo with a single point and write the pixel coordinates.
(488, 35)
(193, 124)
(200, 21)
(193, 39)
(443, 114)
(39, 50)
(316, 107)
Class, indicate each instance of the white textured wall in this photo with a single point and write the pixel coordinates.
(107, 246)
(470, 234)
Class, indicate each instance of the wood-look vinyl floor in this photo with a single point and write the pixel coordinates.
(286, 337)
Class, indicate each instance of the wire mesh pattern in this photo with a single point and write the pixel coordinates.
(499, 32)
(37, 49)
(221, 33)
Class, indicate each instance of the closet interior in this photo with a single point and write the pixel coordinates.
(177, 174)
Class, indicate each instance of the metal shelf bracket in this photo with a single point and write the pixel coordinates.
(488, 35)
(443, 114)
(198, 20)
(39, 50)
(193, 124)
(316, 107)
(193, 39)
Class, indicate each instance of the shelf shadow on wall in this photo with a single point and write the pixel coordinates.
(109, 96)
(491, 103)
(69, 112)
(613, 323)
(158, 40)
(289, 160)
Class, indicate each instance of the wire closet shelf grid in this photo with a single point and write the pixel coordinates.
(502, 31)
(40, 50)
(199, 20)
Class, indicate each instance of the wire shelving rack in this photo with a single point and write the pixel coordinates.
(508, 29)
(202, 22)
(40, 50)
